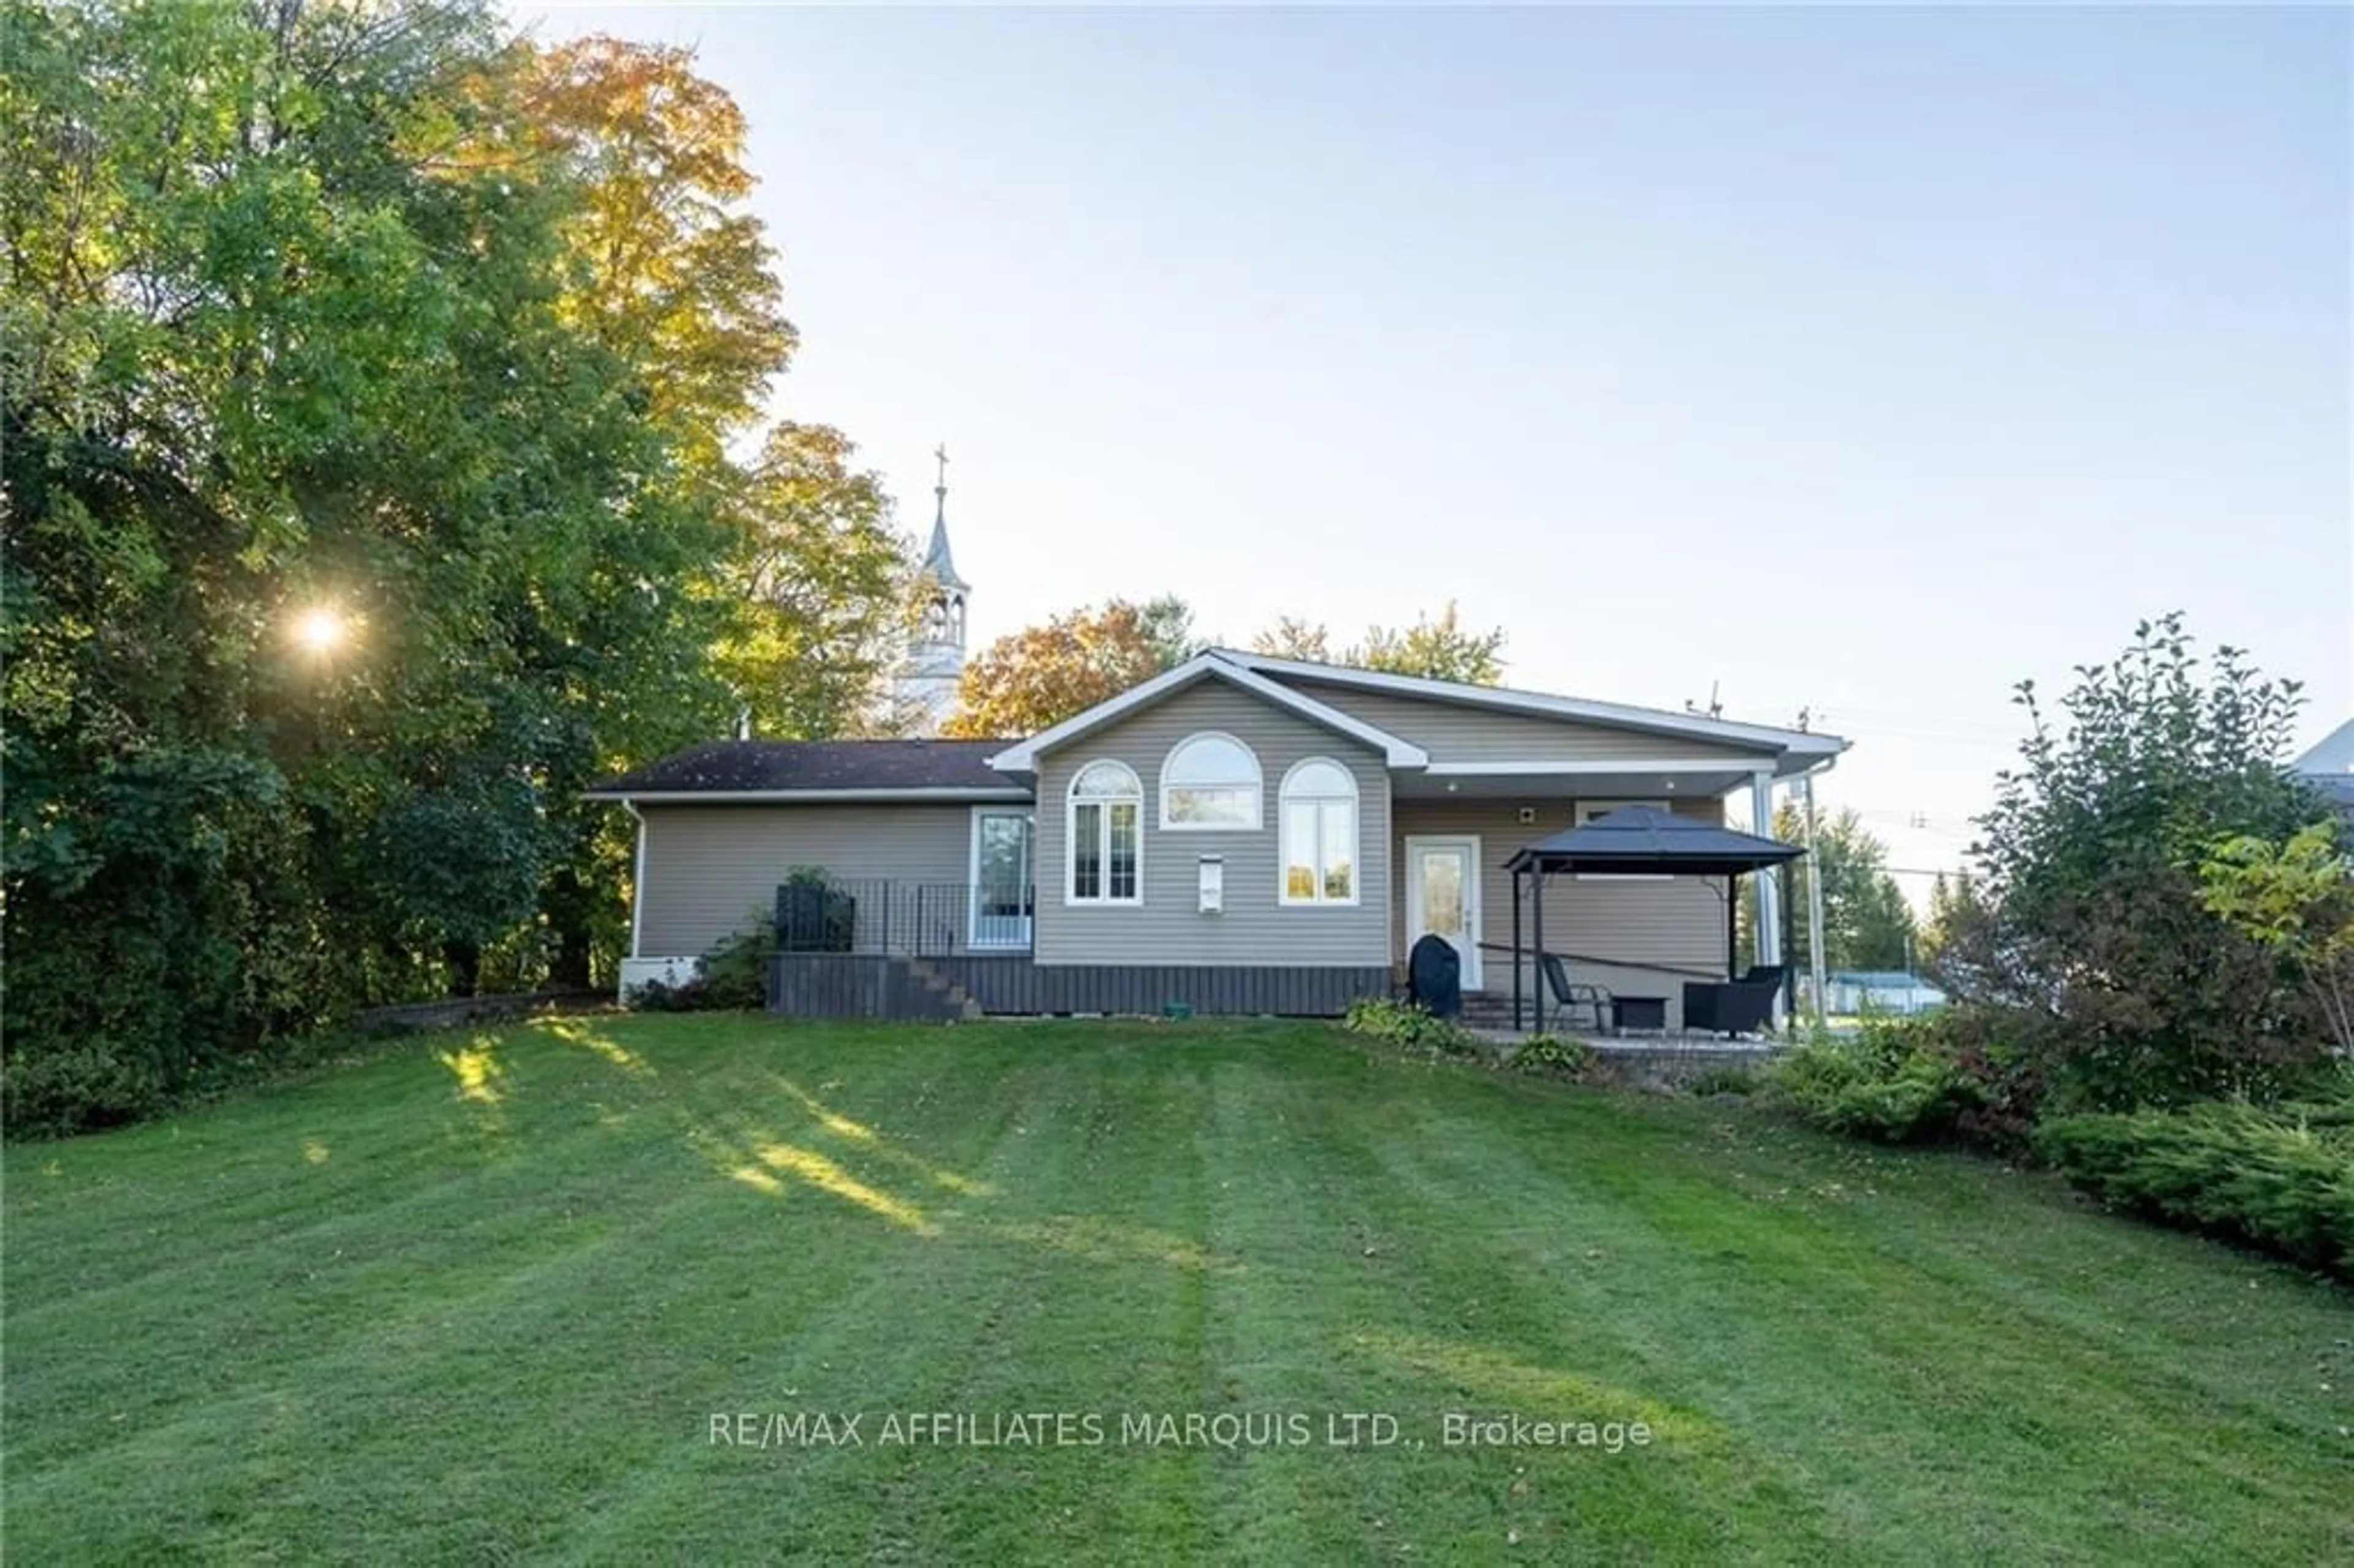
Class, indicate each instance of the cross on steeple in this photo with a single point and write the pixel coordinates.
(937, 559)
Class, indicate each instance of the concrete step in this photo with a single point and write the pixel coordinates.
(953, 997)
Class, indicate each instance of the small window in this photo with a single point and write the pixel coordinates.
(1589, 810)
(1106, 835)
(1210, 781)
(1319, 833)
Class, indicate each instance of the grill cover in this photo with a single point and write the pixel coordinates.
(1434, 976)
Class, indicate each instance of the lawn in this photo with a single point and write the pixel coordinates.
(479, 1298)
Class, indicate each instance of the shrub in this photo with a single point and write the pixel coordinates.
(1891, 1082)
(735, 973)
(90, 1084)
(1550, 1053)
(1403, 1024)
(2006, 1079)
(1722, 1081)
(2297, 900)
(2087, 933)
(732, 977)
(2281, 1178)
(688, 995)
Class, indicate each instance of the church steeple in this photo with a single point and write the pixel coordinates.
(935, 664)
(937, 561)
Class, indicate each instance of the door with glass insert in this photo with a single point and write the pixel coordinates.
(1442, 898)
(1003, 892)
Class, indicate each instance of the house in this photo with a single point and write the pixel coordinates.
(2329, 767)
(1239, 833)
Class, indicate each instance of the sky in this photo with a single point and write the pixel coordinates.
(1859, 361)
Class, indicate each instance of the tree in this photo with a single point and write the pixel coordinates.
(675, 276)
(2096, 945)
(1867, 924)
(1437, 650)
(1955, 909)
(1038, 677)
(817, 587)
(1167, 623)
(245, 383)
(677, 281)
(1292, 638)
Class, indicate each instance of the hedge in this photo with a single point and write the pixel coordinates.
(2278, 1177)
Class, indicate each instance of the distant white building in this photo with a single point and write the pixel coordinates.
(2329, 766)
(927, 681)
(1847, 992)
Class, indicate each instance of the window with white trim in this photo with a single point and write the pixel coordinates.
(1105, 844)
(1318, 806)
(1210, 781)
(1589, 810)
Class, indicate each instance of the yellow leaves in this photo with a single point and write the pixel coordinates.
(641, 104)
(678, 281)
(1440, 649)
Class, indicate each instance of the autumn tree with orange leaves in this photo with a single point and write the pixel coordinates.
(673, 275)
(808, 592)
(1042, 674)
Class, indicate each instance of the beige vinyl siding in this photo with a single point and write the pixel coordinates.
(1168, 927)
(1676, 921)
(707, 868)
(1453, 733)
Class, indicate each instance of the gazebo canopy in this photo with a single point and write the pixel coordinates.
(1644, 840)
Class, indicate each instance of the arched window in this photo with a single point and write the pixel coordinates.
(1106, 823)
(1319, 833)
(1210, 781)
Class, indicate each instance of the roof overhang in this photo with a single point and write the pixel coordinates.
(943, 796)
(1634, 778)
(1216, 665)
(1785, 751)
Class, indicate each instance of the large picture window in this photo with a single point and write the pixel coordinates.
(1106, 811)
(1209, 782)
(1319, 833)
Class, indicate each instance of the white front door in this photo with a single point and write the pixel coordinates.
(1442, 895)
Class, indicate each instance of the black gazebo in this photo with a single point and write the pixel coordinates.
(1639, 841)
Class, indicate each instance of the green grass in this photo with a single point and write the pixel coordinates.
(476, 1299)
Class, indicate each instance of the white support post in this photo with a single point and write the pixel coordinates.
(1768, 935)
(1817, 965)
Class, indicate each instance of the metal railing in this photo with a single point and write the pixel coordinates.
(886, 916)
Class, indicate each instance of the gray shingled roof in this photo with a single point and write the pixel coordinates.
(742, 767)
